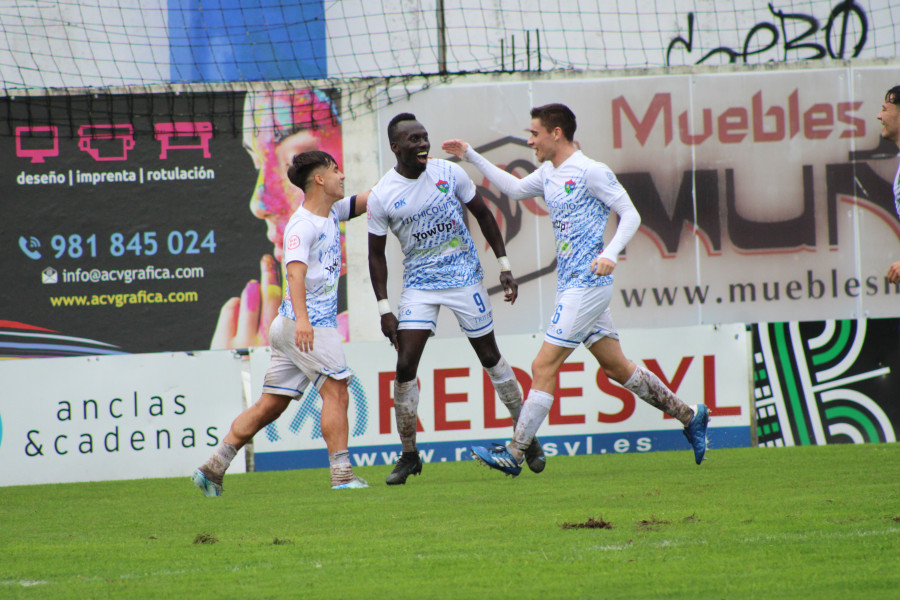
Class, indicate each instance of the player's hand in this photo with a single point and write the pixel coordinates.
(602, 266)
(893, 273)
(389, 325)
(303, 335)
(510, 287)
(244, 322)
(455, 147)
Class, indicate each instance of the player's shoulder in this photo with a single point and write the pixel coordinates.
(440, 166)
(382, 189)
(588, 163)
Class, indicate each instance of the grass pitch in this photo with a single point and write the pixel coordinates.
(814, 522)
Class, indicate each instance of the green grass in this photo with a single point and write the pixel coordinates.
(815, 522)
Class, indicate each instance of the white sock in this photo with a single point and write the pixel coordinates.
(339, 465)
(406, 405)
(507, 387)
(534, 411)
(216, 465)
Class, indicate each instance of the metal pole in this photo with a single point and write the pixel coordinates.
(442, 38)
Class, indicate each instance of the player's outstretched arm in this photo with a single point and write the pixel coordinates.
(515, 188)
(378, 273)
(491, 231)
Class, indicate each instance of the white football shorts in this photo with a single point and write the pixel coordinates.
(291, 371)
(581, 316)
(471, 305)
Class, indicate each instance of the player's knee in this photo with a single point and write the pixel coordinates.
(541, 369)
(405, 372)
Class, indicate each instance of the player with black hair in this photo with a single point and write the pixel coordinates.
(306, 346)
(420, 200)
(580, 193)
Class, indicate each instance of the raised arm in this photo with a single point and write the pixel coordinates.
(514, 188)
(378, 273)
(488, 225)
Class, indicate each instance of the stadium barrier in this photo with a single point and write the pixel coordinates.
(160, 415)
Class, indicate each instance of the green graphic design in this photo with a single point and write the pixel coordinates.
(826, 382)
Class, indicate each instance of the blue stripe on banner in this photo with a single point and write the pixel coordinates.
(560, 445)
(236, 40)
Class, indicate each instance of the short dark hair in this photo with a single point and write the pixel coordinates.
(893, 95)
(556, 115)
(305, 163)
(392, 126)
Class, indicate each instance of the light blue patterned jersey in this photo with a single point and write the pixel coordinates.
(426, 215)
(578, 194)
(897, 191)
(316, 241)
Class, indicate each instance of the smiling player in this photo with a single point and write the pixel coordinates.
(580, 194)
(420, 200)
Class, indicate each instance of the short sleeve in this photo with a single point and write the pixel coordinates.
(342, 209)
(378, 220)
(465, 187)
(298, 239)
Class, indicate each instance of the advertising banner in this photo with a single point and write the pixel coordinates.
(764, 195)
(458, 406)
(115, 417)
(134, 222)
(826, 382)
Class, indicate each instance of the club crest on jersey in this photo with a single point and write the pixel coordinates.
(293, 242)
(442, 186)
(569, 186)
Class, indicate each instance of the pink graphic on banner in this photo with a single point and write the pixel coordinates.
(164, 132)
(37, 155)
(89, 133)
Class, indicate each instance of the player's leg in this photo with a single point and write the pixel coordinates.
(326, 367)
(507, 386)
(283, 381)
(649, 388)
(336, 431)
(472, 307)
(418, 319)
(209, 476)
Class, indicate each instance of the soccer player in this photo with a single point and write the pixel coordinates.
(420, 200)
(580, 193)
(306, 345)
(890, 130)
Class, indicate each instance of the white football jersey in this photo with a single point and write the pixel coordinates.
(426, 215)
(316, 241)
(897, 191)
(579, 194)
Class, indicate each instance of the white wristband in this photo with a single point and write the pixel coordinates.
(504, 263)
(384, 307)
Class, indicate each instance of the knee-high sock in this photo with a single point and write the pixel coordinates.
(216, 465)
(507, 387)
(406, 406)
(649, 388)
(534, 411)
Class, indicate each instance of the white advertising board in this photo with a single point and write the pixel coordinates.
(458, 406)
(115, 417)
(764, 195)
